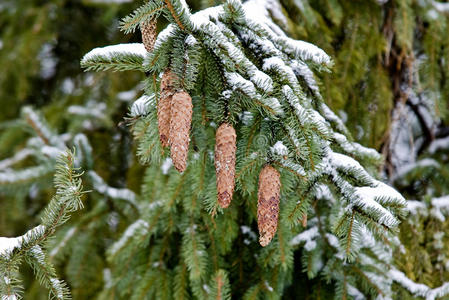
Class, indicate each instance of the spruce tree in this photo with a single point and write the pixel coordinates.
(237, 67)
(233, 110)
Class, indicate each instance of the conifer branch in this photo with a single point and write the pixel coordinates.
(143, 14)
(67, 199)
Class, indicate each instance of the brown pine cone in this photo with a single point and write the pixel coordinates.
(163, 118)
(268, 204)
(149, 34)
(181, 119)
(225, 140)
(164, 106)
(168, 82)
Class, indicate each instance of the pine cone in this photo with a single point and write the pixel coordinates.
(164, 106)
(268, 204)
(148, 30)
(168, 82)
(181, 119)
(163, 119)
(225, 140)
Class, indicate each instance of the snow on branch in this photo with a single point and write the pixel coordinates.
(141, 106)
(100, 186)
(67, 199)
(139, 225)
(19, 156)
(8, 245)
(41, 128)
(255, 59)
(419, 289)
(117, 57)
(440, 6)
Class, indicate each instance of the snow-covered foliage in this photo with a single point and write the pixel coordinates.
(266, 81)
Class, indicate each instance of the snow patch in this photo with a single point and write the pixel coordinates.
(109, 52)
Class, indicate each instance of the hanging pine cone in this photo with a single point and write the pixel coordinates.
(148, 30)
(181, 118)
(268, 204)
(225, 140)
(164, 107)
(168, 82)
(163, 118)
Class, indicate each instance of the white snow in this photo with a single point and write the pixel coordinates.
(293, 166)
(109, 51)
(52, 152)
(191, 40)
(301, 69)
(355, 148)
(441, 6)
(440, 207)
(305, 51)
(33, 118)
(344, 162)
(366, 201)
(203, 17)
(415, 288)
(166, 165)
(322, 191)
(7, 245)
(402, 144)
(206, 288)
(246, 230)
(38, 254)
(439, 144)
(276, 63)
(129, 232)
(246, 117)
(48, 61)
(268, 287)
(63, 242)
(279, 149)
(414, 206)
(100, 186)
(355, 293)
(406, 168)
(262, 80)
(126, 96)
(142, 105)
(56, 284)
(163, 36)
(332, 117)
(238, 82)
(305, 236)
(247, 87)
(19, 156)
(68, 86)
(258, 11)
(333, 240)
